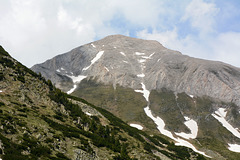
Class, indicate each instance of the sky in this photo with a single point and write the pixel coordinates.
(33, 31)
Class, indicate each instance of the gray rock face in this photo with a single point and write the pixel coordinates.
(129, 62)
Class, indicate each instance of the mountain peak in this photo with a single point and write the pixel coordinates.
(118, 37)
(127, 61)
(127, 42)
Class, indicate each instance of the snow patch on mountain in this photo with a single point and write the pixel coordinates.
(123, 54)
(191, 95)
(148, 57)
(141, 75)
(220, 115)
(180, 142)
(139, 127)
(58, 70)
(93, 45)
(234, 147)
(87, 113)
(106, 69)
(98, 56)
(221, 112)
(145, 92)
(161, 124)
(139, 54)
(142, 60)
(1, 91)
(76, 80)
(193, 126)
(72, 90)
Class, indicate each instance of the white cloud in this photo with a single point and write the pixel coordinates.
(36, 30)
(141, 12)
(166, 38)
(226, 48)
(81, 28)
(201, 15)
(223, 47)
(27, 13)
(43, 29)
(170, 39)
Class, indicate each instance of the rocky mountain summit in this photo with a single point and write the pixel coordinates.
(192, 101)
(125, 61)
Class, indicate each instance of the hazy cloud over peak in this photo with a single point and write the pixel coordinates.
(35, 30)
(201, 15)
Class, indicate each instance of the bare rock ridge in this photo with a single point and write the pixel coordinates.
(129, 61)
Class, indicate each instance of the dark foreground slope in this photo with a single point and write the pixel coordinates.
(38, 121)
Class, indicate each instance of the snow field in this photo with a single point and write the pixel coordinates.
(123, 54)
(234, 147)
(220, 115)
(148, 57)
(139, 54)
(106, 69)
(142, 60)
(139, 127)
(141, 75)
(192, 125)
(98, 56)
(161, 124)
(75, 80)
(145, 92)
(72, 90)
(191, 95)
(89, 114)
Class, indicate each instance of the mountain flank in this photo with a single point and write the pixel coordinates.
(194, 102)
(39, 121)
(127, 61)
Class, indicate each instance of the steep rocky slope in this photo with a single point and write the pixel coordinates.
(192, 101)
(39, 121)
